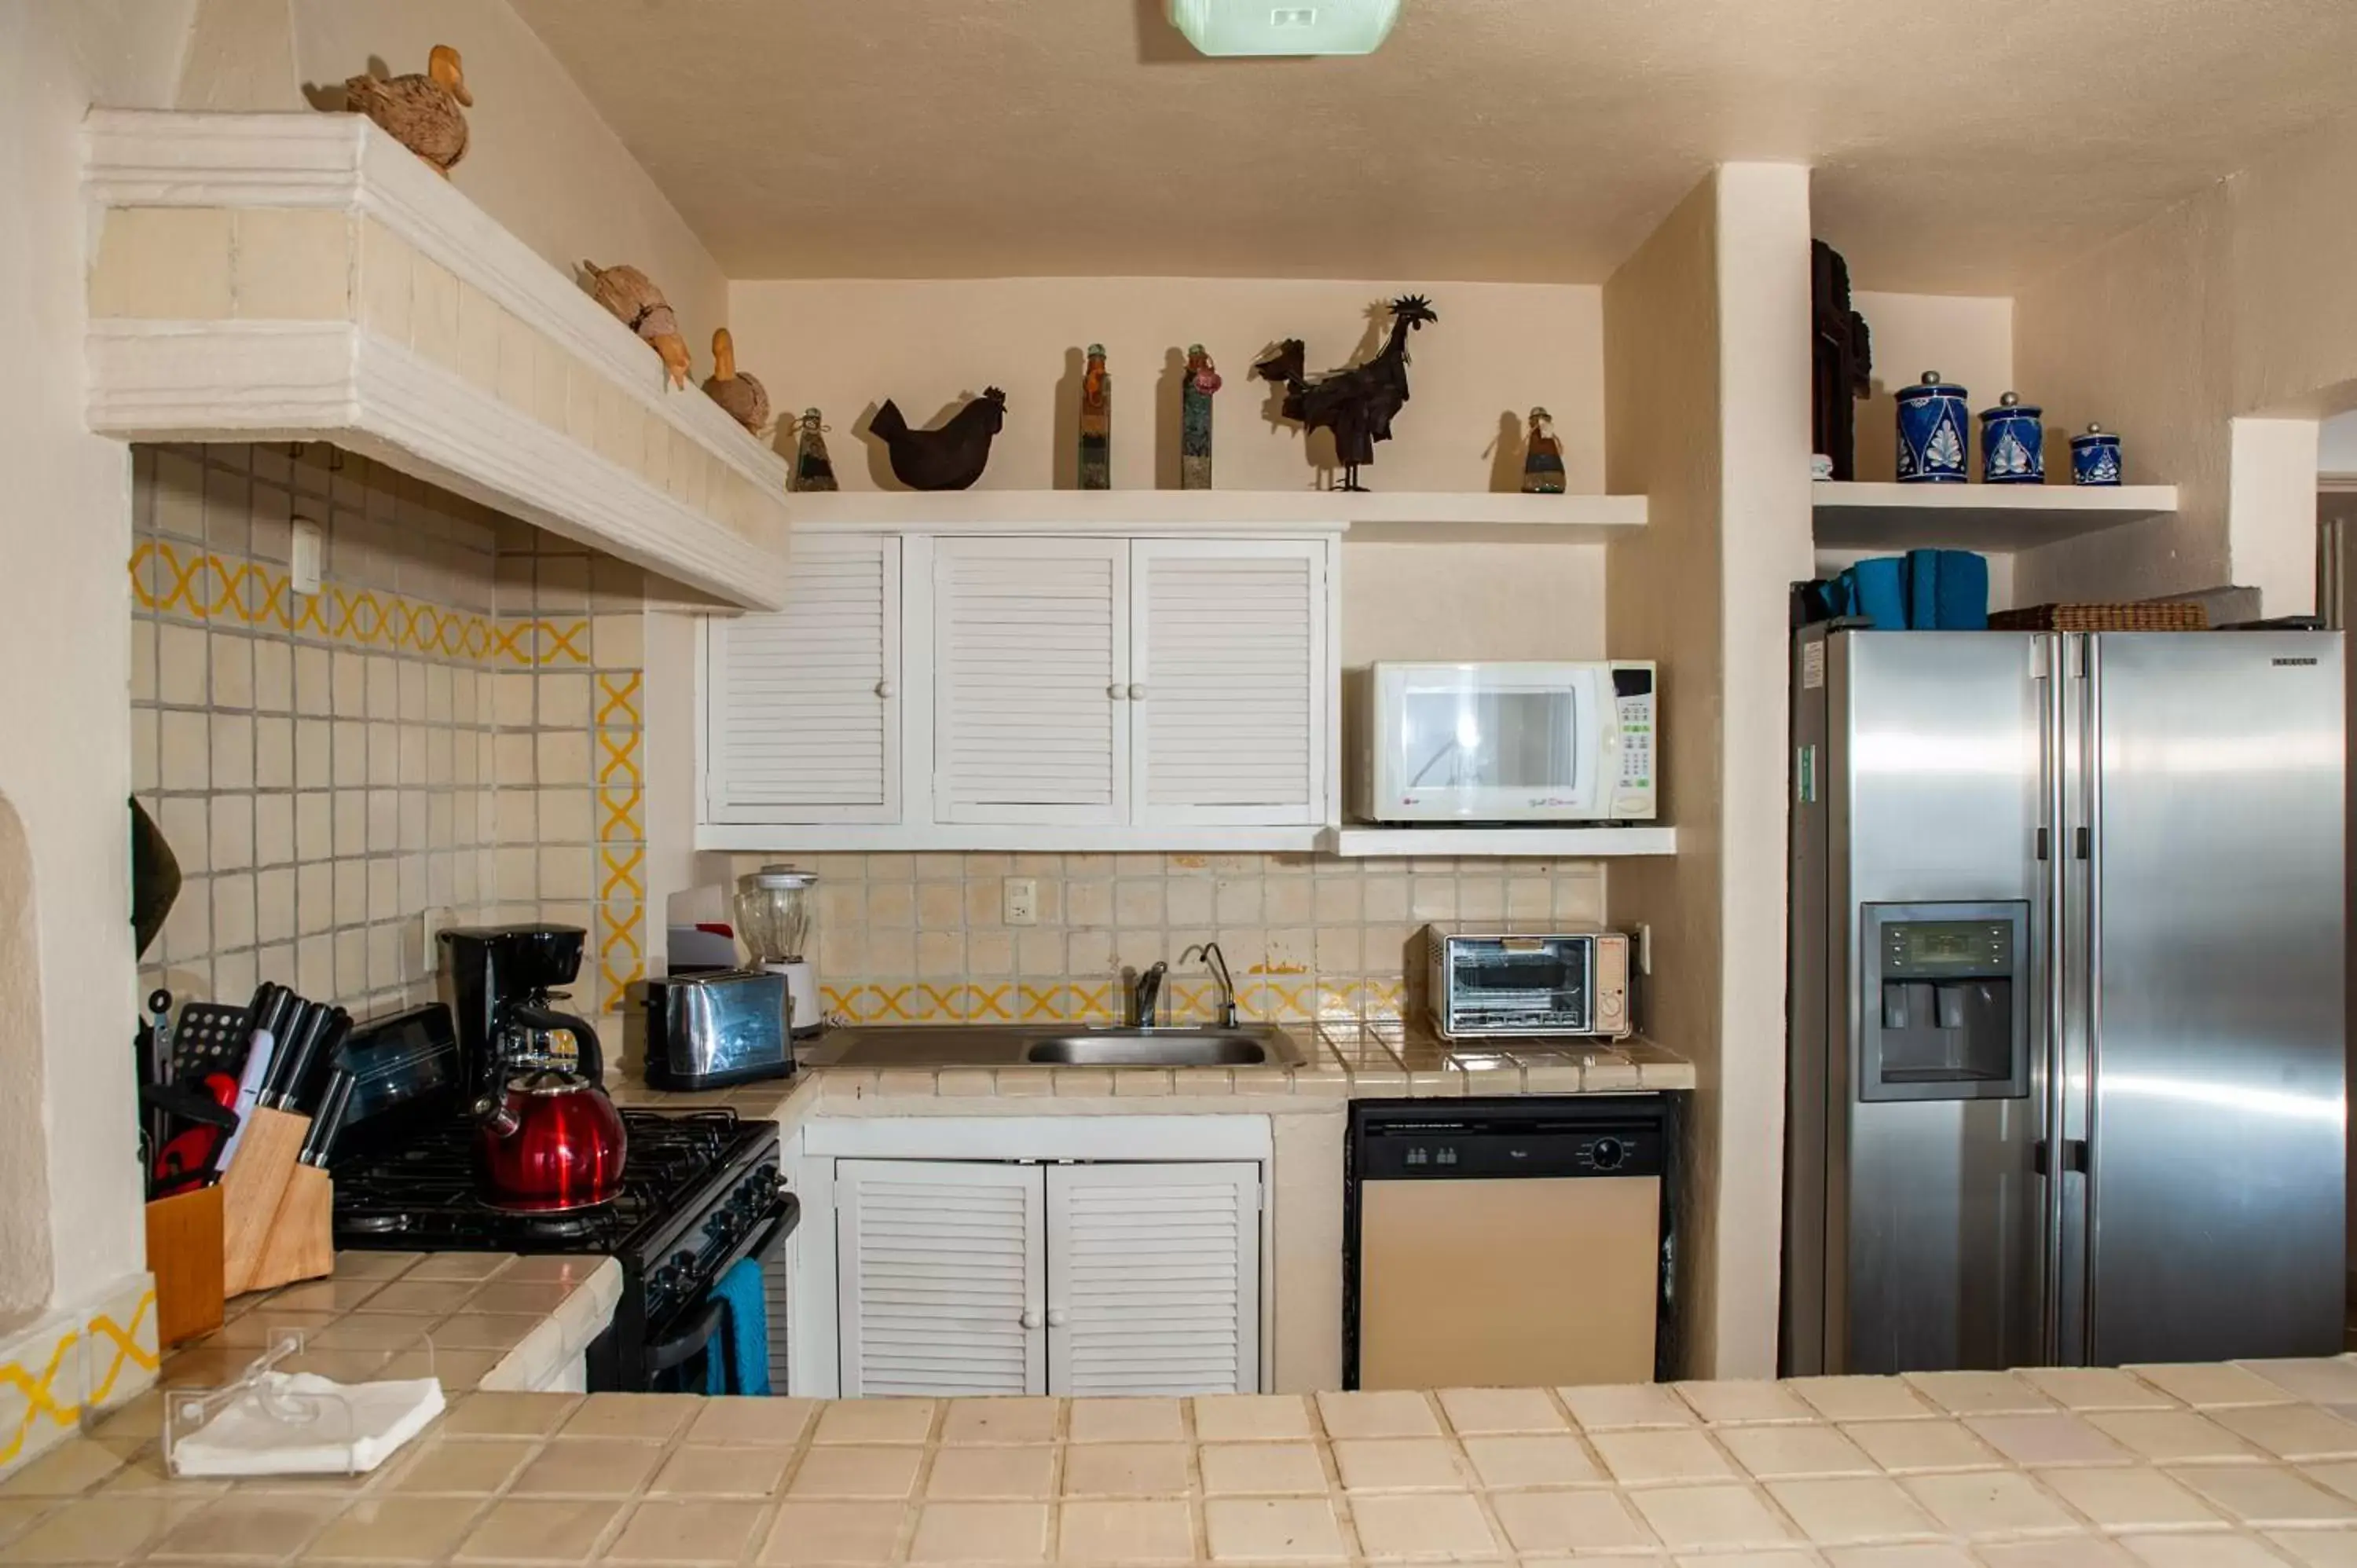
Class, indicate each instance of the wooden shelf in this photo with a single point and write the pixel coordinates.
(1977, 517)
(1384, 517)
(1468, 843)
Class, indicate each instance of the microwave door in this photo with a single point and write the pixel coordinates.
(1475, 750)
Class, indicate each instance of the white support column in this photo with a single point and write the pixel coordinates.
(2271, 512)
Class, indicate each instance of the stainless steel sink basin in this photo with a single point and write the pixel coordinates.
(1053, 1045)
(1153, 1047)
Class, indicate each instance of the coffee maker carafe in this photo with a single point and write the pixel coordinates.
(550, 1139)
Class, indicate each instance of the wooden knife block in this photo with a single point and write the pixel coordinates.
(254, 1190)
(184, 1253)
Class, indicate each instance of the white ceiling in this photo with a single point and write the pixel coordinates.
(1960, 147)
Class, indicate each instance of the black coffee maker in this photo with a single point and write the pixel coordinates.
(505, 981)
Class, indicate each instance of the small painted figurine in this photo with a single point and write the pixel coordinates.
(1096, 422)
(1542, 457)
(1195, 420)
(813, 470)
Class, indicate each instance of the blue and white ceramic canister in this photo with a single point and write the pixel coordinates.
(2095, 458)
(2013, 444)
(1933, 427)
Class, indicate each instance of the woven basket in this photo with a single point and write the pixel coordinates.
(2103, 617)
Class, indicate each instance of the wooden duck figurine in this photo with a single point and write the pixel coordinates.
(740, 392)
(425, 113)
(640, 306)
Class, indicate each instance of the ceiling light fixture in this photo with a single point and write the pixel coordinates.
(1275, 27)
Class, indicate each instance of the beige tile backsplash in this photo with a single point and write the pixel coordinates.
(451, 723)
(921, 937)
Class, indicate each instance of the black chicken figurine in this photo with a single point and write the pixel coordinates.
(1357, 405)
(949, 458)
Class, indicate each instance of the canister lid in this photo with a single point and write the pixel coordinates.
(2011, 403)
(1932, 385)
(2094, 432)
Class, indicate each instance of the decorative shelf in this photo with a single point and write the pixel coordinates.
(306, 277)
(1448, 517)
(1468, 844)
(1977, 517)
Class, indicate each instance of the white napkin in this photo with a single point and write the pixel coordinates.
(351, 1428)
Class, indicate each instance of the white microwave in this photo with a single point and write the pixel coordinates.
(1507, 743)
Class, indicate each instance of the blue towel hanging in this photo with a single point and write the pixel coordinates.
(738, 1362)
(1923, 590)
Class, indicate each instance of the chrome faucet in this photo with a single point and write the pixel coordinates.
(1217, 962)
(1146, 994)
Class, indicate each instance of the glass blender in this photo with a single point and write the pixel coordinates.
(773, 917)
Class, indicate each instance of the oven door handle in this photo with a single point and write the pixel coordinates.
(691, 1342)
(779, 1222)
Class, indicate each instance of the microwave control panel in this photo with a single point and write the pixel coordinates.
(1632, 697)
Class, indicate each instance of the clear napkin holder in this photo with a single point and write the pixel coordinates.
(277, 1419)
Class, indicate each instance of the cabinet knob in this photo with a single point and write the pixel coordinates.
(1057, 1317)
(1137, 694)
(883, 688)
(1030, 1318)
(1116, 691)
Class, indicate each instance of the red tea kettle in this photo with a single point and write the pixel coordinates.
(550, 1139)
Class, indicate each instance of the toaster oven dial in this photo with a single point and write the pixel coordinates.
(1607, 1154)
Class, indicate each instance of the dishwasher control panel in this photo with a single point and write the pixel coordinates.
(1468, 1148)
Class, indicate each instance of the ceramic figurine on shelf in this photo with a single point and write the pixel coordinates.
(813, 470)
(1542, 456)
(425, 113)
(1195, 419)
(1932, 427)
(740, 393)
(949, 458)
(640, 306)
(1096, 422)
(2013, 444)
(2095, 458)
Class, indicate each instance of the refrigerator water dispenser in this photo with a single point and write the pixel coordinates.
(1946, 1010)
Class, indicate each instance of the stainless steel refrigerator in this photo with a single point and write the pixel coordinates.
(2067, 1064)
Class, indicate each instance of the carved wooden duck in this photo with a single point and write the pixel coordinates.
(738, 392)
(425, 113)
(640, 306)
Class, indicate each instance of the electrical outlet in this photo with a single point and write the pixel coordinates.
(1644, 950)
(307, 553)
(1022, 901)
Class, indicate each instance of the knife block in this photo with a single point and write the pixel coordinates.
(184, 1253)
(301, 1242)
(252, 1190)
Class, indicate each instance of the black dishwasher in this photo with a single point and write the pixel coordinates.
(1507, 1242)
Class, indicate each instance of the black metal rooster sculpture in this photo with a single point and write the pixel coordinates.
(1357, 404)
(948, 457)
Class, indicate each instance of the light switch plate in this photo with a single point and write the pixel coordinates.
(306, 551)
(1021, 899)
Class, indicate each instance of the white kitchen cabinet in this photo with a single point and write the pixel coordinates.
(1031, 718)
(984, 1277)
(1228, 692)
(941, 1277)
(803, 721)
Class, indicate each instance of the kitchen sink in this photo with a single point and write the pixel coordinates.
(1053, 1045)
(1153, 1047)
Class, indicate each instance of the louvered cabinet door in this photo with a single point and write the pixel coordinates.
(1154, 1279)
(939, 1278)
(804, 718)
(1231, 682)
(1031, 681)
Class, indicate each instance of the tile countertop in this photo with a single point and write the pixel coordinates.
(2198, 1466)
(493, 1320)
(1349, 1058)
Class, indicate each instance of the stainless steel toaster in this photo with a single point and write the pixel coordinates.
(717, 1028)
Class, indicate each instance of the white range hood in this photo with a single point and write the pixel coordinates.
(305, 277)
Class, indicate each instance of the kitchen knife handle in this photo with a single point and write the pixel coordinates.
(335, 1102)
(308, 1082)
(294, 1053)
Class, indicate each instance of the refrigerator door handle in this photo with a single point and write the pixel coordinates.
(2090, 851)
(2053, 1024)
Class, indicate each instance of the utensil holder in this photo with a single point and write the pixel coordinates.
(184, 1253)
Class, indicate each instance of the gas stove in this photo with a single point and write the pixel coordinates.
(700, 1190)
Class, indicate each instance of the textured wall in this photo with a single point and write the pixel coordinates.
(450, 724)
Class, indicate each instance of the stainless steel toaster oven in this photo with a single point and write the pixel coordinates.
(716, 1027)
(1500, 985)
